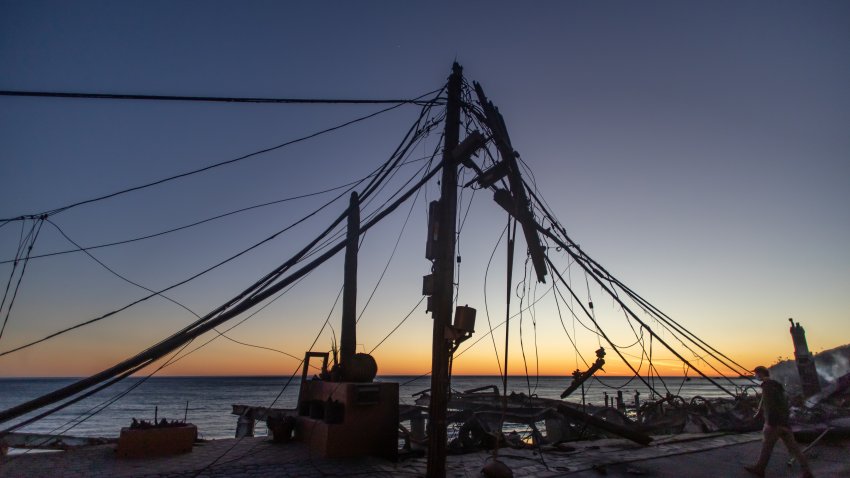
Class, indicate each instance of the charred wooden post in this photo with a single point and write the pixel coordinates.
(444, 282)
(348, 339)
(805, 361)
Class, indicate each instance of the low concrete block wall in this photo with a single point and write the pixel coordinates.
(150, 442)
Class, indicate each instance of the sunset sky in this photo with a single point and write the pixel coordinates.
(700, 151)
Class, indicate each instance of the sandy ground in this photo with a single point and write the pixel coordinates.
(674, 456)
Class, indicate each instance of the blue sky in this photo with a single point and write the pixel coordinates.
(699, 150)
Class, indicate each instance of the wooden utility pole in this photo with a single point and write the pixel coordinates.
(348, 339)
(444, 282)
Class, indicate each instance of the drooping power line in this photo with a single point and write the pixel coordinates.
(214, 165)
(211, 99)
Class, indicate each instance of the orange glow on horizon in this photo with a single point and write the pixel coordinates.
(228, 359)
(256, 363)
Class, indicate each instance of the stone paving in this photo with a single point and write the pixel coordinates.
(674, 456)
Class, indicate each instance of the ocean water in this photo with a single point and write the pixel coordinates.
(206, 401)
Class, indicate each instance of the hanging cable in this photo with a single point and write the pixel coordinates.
(392, 254)
(21, 246)
(237, 324)
(484, 336)
(648, 329)
(373, 175)
(210, 321)
(283, 389)
(523, 284)
(533, 314)
(593, 266)
(219, 164)
(214, 99)
(116, 274)
(160, 291)
(77, 399)
(599, 329)
(213, 218)
(570, 338)
(257, 287)
(487, 308)
(399, 324)
(36, 229)
(181, 305)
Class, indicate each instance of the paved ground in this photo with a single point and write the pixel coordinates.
(678, 456)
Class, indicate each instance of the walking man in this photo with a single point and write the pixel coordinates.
(774, 408)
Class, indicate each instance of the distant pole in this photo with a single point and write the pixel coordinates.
(348, 339)
(508, 309)
(444, 282)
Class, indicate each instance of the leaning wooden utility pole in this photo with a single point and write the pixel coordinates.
(444, 282)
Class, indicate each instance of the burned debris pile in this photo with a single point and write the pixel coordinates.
(484, 419)
(530, 421)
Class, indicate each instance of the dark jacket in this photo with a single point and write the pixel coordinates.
(774, 403)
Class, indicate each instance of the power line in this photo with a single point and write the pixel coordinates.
(399, 324)
(30, 240)
(377, 179)
(283, 389)
(236, 306)
(486, 306)
(159, 292)
(215, 165)
(304, 271)
(392, 254)
(125, 279)
(598, 272)
(515, 315)
(377, 183)
(212, 99)
(209, 219)
(268, 278)
(599, 282)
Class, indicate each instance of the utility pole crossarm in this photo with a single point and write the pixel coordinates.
(521, 207)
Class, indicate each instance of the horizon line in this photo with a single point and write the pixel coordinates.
(58, 377)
